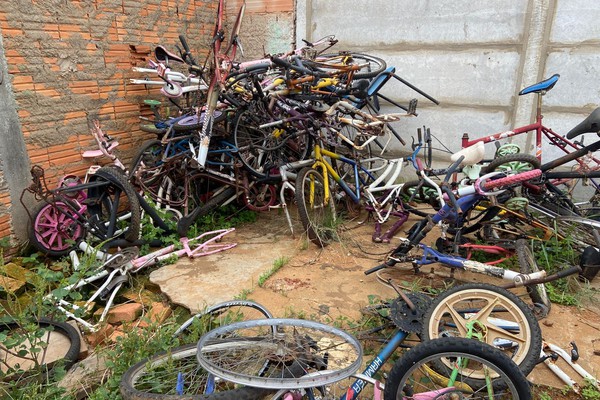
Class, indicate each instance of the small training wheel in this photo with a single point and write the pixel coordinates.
(508, 148)
(517, 203)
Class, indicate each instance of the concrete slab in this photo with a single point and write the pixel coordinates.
(197, 283)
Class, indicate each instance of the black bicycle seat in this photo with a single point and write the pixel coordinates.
(544, 85)
(590, 124)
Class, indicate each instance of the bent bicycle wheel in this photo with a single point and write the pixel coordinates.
(316, 211)
(415, 375)
(501, 317)
(280, 353)
(175, 374)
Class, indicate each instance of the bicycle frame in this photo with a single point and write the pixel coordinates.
(205, 244)
(541, 131)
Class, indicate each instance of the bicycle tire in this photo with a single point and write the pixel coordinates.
(537, 293)
(522, 330)
(145, 166)
(515, 163)
(148, 372)
(373, 65)
(52, 231)
(317, 216)
(409, 374)
(134, 381)
(102, 197)
(411, 192)
(263, 151)
(260, 352)
(184, 223)
(67, 360)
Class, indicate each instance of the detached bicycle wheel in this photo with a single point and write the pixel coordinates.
(175, 374)
(316, 212)
(280, 353)
(16, 353)
(415, 372)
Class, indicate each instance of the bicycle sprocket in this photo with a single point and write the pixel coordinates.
(407, 320)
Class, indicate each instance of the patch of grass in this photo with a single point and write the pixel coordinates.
(277, 265)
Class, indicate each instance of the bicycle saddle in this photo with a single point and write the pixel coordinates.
(473, 154)
(164, 55)
(590, 124)
(544, 85)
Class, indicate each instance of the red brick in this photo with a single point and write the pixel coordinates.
(127, 312)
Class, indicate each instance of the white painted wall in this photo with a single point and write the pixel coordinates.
(473, 56)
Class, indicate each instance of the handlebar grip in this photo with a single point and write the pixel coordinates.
(511, 179)
(566, 272)
(451, 198)
(453, 168)
(282, 63)
(388, 263)
(184, 43)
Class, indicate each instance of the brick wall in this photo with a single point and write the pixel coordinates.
(69, 62)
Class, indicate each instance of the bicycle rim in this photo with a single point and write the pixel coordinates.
(505, 321)
(300, 354)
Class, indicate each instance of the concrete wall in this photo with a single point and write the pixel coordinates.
(474, 57)
(66, 63)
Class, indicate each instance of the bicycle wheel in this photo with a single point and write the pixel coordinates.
(55, 230)
(114, 208)
(411, 193)
(505, 320)
(513, 163)
(576, 230)
(175, 375)
(145, 167)
(414, 372)
(226, 313)
(528, 265)
(263, 151)
(370, 66)
(17, 355)
(317, 213)
(165, 374)
(255, 356)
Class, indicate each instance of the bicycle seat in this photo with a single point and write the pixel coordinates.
(164, 55)
(590, 124)
(544, 85)
(473, 154)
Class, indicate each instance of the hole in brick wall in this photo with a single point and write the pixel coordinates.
(139, 54)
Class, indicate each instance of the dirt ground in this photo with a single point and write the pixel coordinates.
(330, 285)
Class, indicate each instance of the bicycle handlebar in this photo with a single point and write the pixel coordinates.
(388, 263)
(508, 180)
(284, 64)
(187, 55)
(560, 274)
